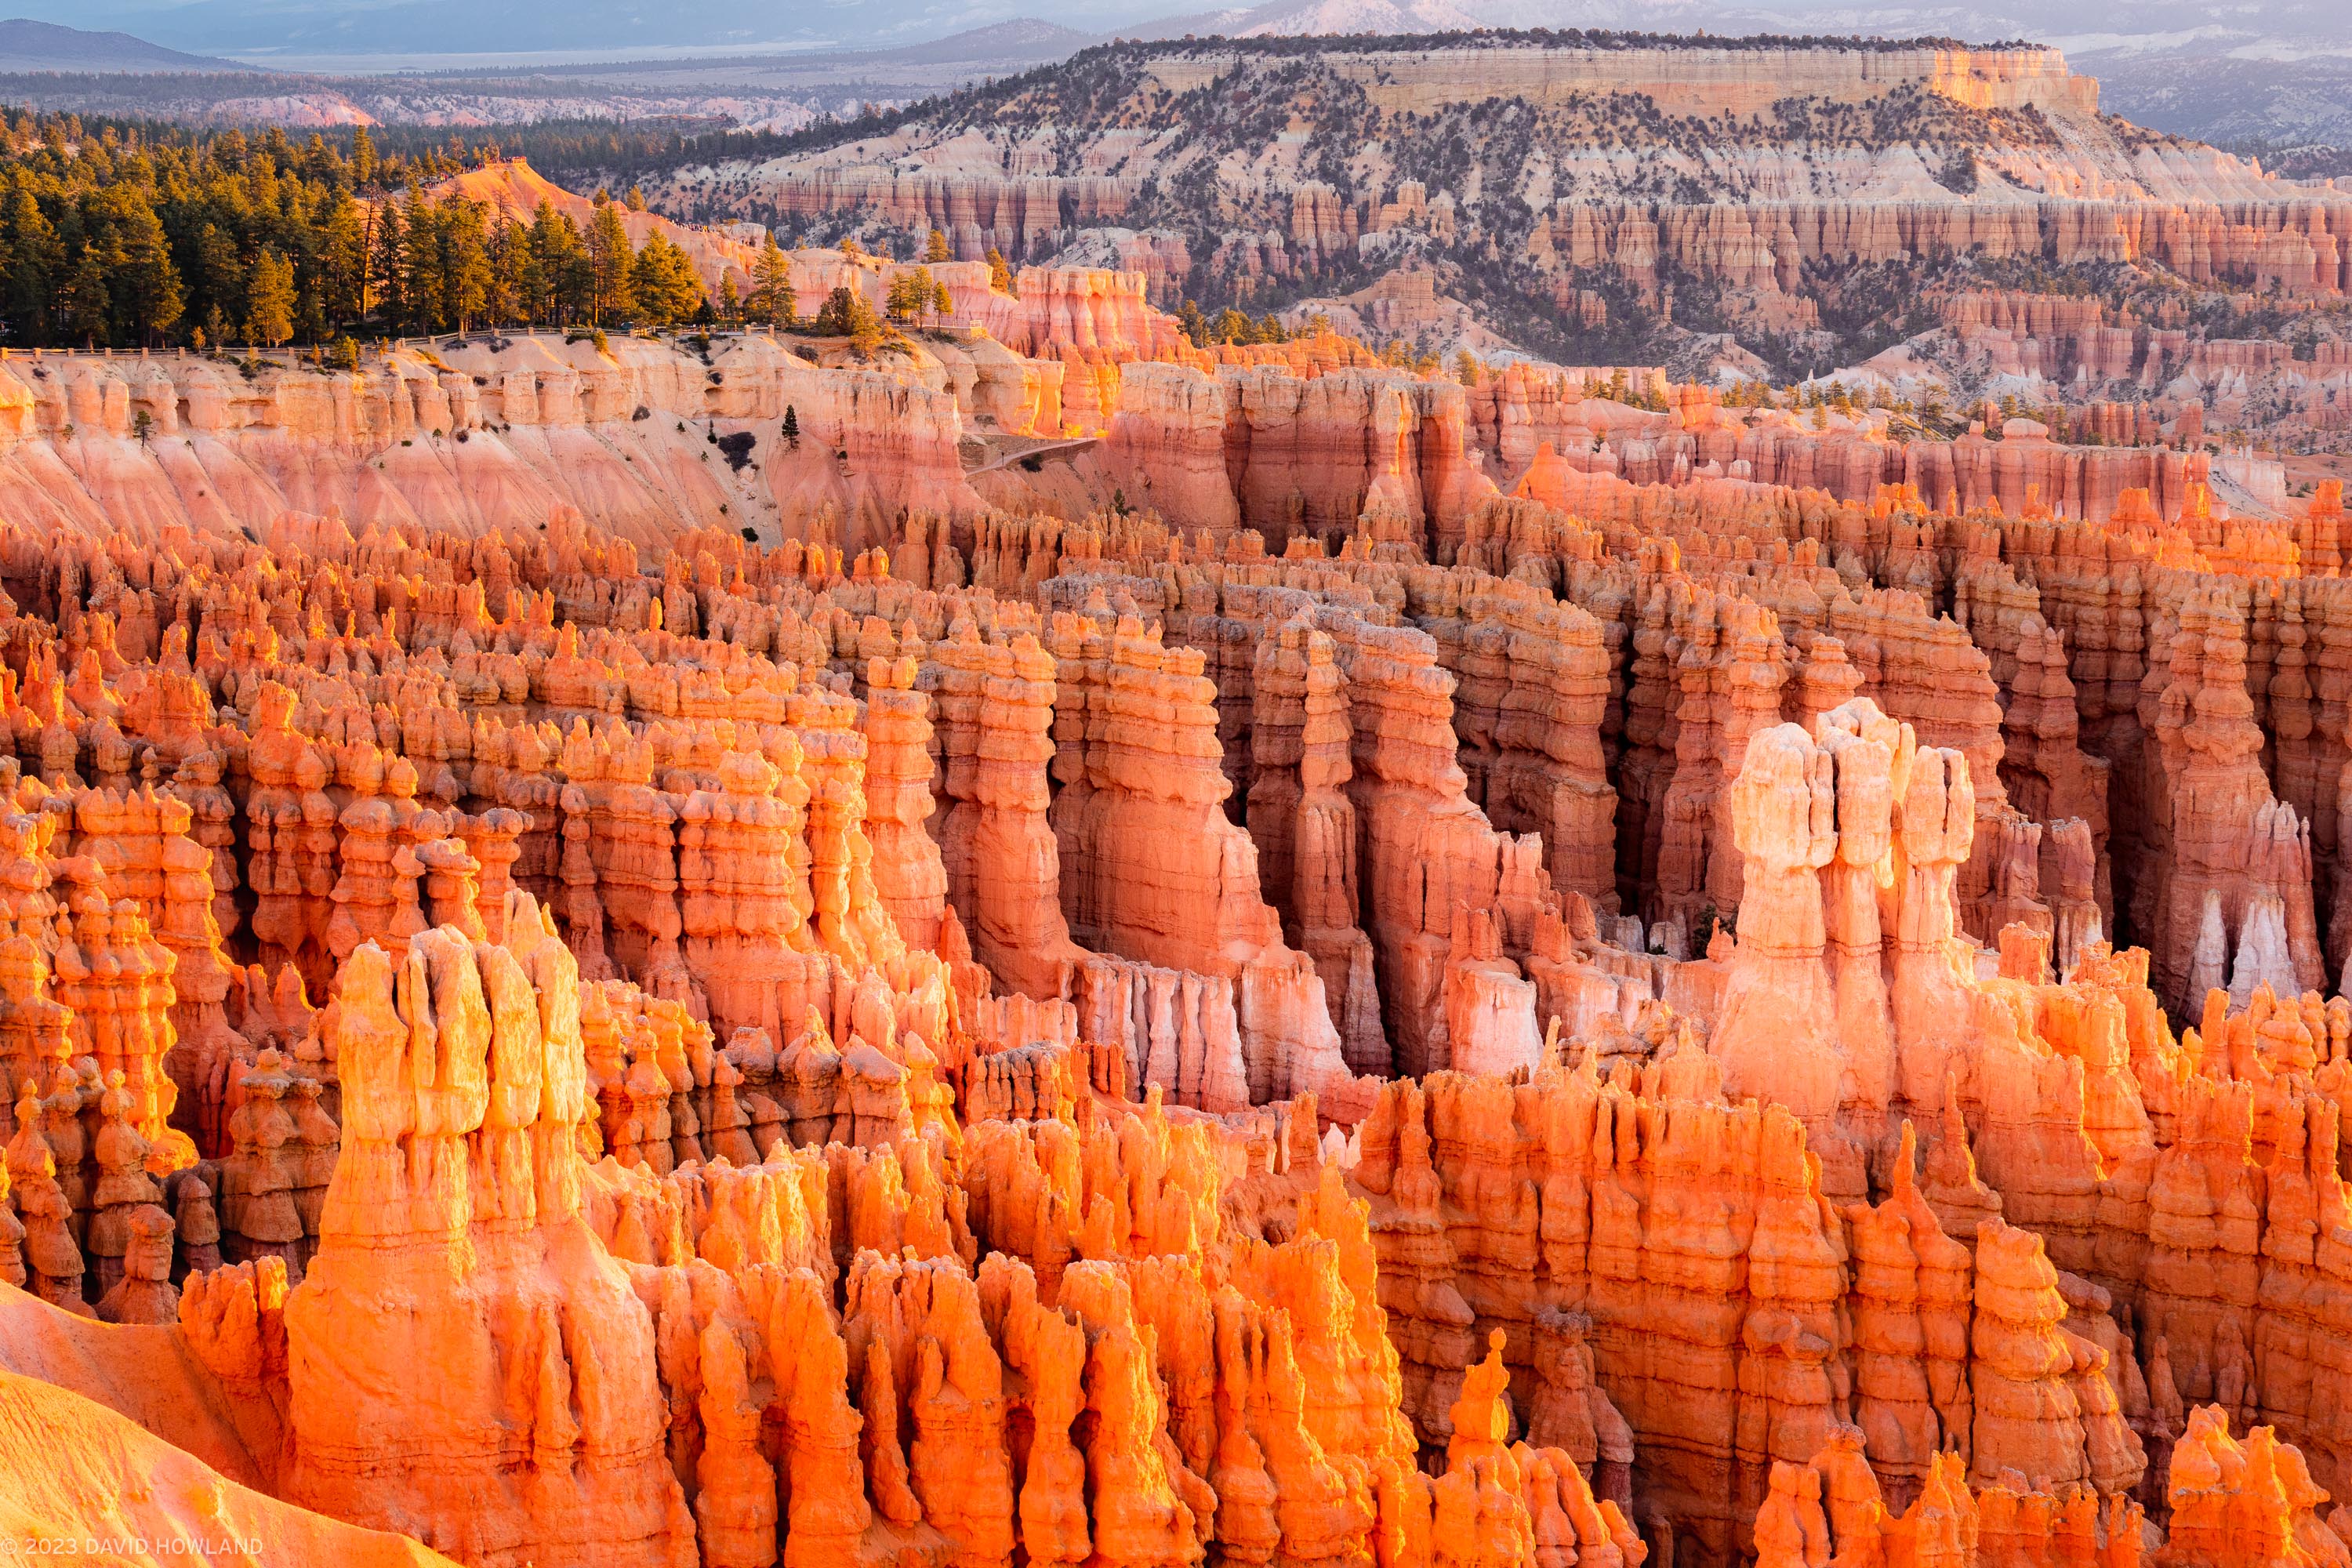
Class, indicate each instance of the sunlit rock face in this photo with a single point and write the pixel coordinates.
(1362, 966)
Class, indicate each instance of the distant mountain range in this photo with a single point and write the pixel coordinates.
(29, 46)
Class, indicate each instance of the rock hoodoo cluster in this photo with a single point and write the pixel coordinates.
(1360, 966)
(1715, 183)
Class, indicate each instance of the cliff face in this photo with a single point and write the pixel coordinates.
(1751, 172)
(1306, 439)
(502, 433)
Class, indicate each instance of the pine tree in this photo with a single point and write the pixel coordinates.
(422, 274)
(846, 314)
(771, 302)
(936, 247)
(35, 258)
(573, 274)
(7, 254)
(464, 264)
(343, 258)
(82, 304)
(146, 286)
(385, 269)
(662, 283)
(134, 237)
(791, 427)
(550, 267)
(1195, 325)
(1000, 272)
(507, 248)
(609, 256)
(269, 300)
(909, 296)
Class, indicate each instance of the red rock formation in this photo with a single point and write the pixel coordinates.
(1830, 1508)
(1528, 711)
(1151, 870)
(1310, 457)
(2216, 843)
(908, 875)
(1303, 826)
(995, 711)
(484, 437)
(964, 1143)
(459, 1196)
(1167, 444)
(2242, 1502)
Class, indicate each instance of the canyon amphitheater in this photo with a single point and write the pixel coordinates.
(1057, 946)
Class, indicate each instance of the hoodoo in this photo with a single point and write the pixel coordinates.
(739, 905)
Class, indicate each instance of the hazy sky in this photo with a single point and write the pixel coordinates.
(315, 29)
